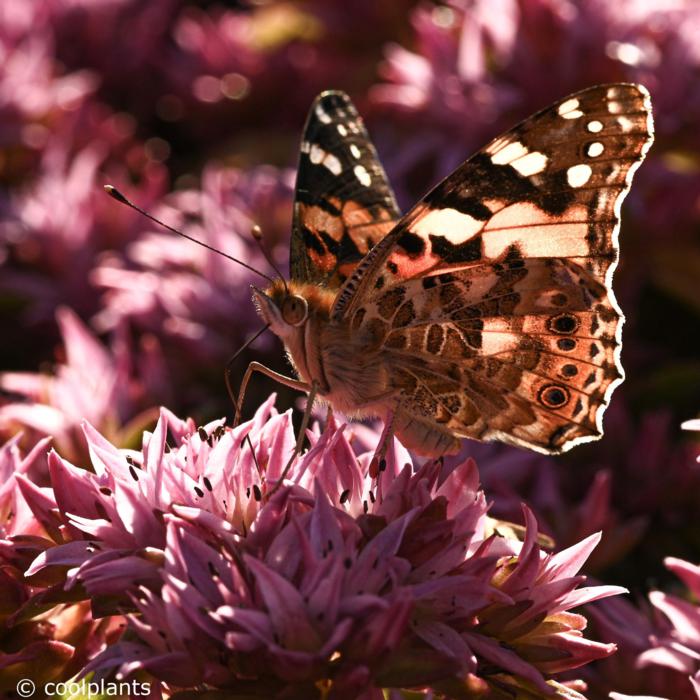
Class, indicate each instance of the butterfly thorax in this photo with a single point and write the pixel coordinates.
(344, 364)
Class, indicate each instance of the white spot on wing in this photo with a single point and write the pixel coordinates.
(625, 123)
(342, 130)
(595, 126)
(496, 145)
(516, 155)
(595, 149)
(316, 154)
(530, 164)
(320, 157)
(614, 107)
(449, 223)
(509, 153)
(355, 151)
(578, 175)
(568, 106)
(569, 109)
(362, 175)
(536, 233)
(333, 164)
(322, 115)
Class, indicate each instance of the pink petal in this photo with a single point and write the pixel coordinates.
(684, 616)
(695, 680)
(569, 561)
(153, 451)
(686, 572)
(70, 554)
(76, 490)
(583, 596)
(509, 661)
(670, 658)
(42, 503)
(285, 607)
(105, 457)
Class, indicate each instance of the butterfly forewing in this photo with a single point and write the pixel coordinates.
(492, 297)
(344, 204)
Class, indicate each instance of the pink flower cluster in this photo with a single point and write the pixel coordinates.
(332, 579)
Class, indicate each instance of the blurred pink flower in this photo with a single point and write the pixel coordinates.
(658, 643)
(34, 96)
(629, 626)
(332, 580)
(229, 65)
(678, 647)
(84, 27)
(15, 516)
(92, 384)
(55, 139)
(654, 479)
(217, 55)
(56, 227)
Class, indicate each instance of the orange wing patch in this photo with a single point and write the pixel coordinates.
(339, 234)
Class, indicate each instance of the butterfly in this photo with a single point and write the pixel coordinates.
(487, 310)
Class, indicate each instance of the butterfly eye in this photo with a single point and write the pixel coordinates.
(295, 310)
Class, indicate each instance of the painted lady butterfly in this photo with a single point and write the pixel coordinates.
(487, 310)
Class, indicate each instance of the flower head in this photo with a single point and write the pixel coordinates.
(93, 383)
(333, 579)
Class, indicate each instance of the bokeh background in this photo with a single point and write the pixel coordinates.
(195, 109)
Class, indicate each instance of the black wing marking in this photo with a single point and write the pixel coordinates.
(344, 204)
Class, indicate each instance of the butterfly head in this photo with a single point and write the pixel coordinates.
(285, 310)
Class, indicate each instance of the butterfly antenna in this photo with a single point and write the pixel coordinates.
(256, 233)
(116, 194)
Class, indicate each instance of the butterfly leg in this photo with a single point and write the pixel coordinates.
(302, 433)
(258, 367)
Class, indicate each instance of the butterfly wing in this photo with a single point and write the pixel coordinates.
(492, 297)
(344, 204)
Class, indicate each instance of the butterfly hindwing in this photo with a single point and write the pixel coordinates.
(344, 204)
(492, 297)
